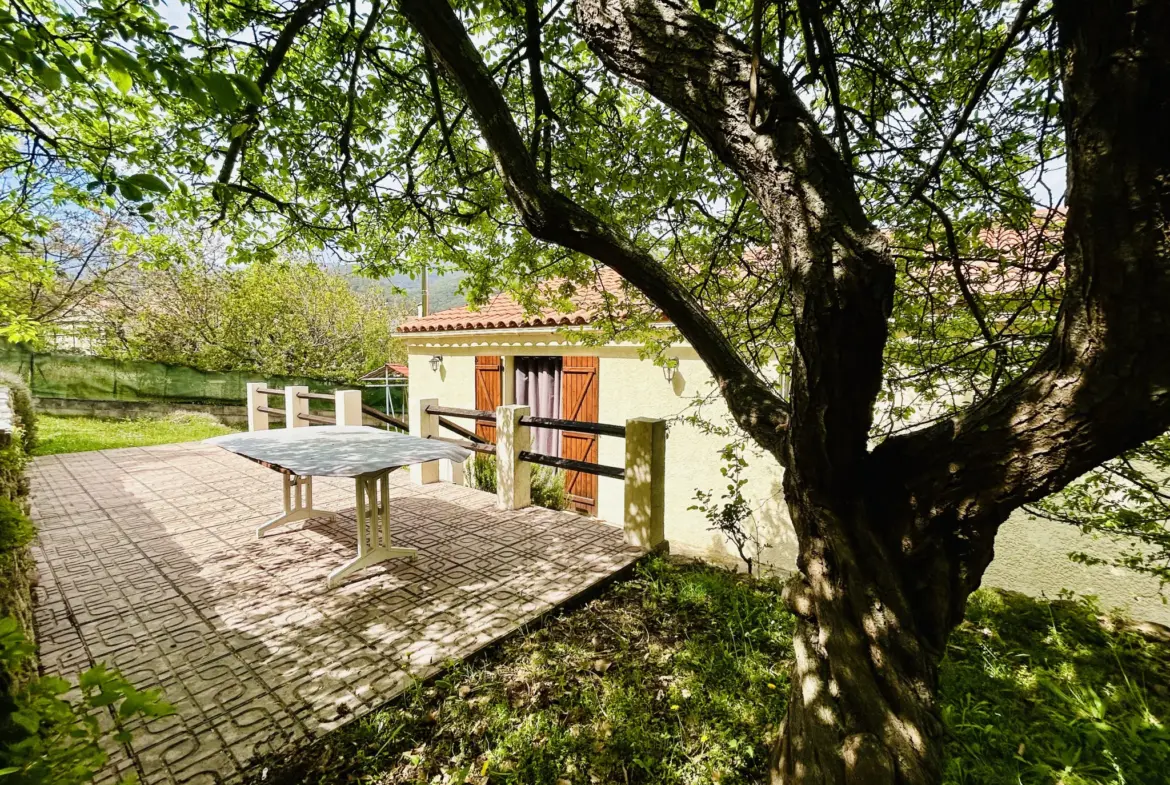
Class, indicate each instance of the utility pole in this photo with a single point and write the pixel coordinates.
(425, 307)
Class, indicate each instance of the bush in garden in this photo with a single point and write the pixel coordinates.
(548, 484)
(51, 734)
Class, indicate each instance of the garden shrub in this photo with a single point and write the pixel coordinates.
(50, 733)
(16, 530)
(548, 484)
(21, 399)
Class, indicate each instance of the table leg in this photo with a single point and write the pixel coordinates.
(373, 527)
(298, 504)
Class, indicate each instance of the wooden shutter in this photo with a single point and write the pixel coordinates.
(579, 401)
(489, 391)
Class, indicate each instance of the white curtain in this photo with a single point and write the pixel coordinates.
(538, 385)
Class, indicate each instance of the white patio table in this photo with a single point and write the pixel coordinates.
(368, 455)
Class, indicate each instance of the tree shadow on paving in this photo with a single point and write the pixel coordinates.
(166, 582)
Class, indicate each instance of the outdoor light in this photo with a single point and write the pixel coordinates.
(668, 372)
(436, 361)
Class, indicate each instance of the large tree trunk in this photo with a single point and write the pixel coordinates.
(891, 541)
(862, 703)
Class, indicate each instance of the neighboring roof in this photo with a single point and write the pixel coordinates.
(502, 311)
(1029, 253)
(382, 371)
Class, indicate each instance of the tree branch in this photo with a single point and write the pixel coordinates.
(838, 264)
(297, 22)
(552, 217)
(976, 96)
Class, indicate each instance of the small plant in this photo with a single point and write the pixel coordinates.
(48, 737)
(728, 514)
(16, 530)
(483, 472)
(548, 488)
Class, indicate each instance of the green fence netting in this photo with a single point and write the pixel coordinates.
(52, 375)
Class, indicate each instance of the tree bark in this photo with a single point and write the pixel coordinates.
(886, 574)
(891, 541)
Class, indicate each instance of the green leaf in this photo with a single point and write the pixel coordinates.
(66, 66)
(222, 91)
(55, 685)
(131, 705)
(50, 78)
(124, 59)
(130, 191)
(23, 41)
(239, 129)
(119, 77)
(148, 182)
(249, 89)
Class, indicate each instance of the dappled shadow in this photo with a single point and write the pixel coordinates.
(153, 567)
(1039, 691)
(336, 450)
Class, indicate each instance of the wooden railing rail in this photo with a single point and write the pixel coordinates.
(480, 447)
(581, 426)
(467, 414)
(466, 433)
(588, 467)
(383, 417)
(331, 397)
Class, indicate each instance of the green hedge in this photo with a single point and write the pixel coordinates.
(16, 530)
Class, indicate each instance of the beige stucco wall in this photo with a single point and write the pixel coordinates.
(1031, 555)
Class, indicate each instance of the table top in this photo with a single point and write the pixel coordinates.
(336, 450)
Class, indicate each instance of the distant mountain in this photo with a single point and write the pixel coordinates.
(443, 294)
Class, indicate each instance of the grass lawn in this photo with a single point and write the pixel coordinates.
(678, 675)
(81, 434)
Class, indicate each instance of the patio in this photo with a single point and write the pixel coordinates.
(149, 564)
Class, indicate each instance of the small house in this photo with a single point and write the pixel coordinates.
(481, 359)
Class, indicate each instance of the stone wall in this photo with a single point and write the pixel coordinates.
(227, 414)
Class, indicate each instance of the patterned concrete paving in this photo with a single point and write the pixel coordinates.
(149, 563)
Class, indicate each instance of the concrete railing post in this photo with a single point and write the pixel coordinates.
(645, 482)
(347, 407)
(513, 476)
(294, 406)
(257, 420)
(424, 425)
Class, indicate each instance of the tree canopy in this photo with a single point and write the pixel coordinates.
(279, 317)
(865, 195)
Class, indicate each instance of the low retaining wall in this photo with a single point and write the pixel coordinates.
(228, 414)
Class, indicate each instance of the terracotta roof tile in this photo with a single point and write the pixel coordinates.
(502, 311)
